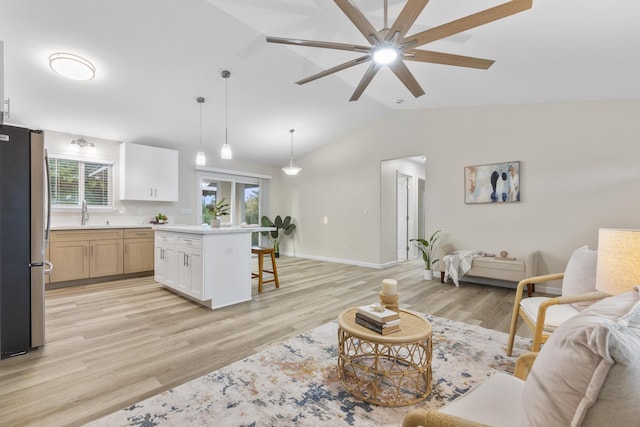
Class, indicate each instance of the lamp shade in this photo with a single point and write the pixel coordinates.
(618, 267)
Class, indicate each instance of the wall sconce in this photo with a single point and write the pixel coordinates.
(81, 144)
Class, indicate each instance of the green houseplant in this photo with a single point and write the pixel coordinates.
(217, 210)
(283, 228)
(427, 247)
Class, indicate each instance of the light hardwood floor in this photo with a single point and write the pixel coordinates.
(110, 345)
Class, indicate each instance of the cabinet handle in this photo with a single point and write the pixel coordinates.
(86, 251)
(91, 250)
(155, 192)
(151, 192)
(187, 257)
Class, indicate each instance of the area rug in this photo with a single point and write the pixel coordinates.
(296, 384)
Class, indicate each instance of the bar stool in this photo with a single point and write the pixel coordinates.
(261, 252)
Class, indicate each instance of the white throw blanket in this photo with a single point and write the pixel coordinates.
(458, 263)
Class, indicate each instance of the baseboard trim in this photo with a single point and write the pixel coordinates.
(341, 261)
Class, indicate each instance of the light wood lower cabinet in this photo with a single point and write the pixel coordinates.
(93, 253)
(70, 259)
(138, 250)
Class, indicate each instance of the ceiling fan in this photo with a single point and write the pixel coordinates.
(392, 46)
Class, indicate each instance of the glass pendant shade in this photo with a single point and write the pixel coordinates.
(226, 153)
(291, 169)
(201, 159)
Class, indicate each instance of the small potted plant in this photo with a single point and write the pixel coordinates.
(283, 228)
(427, 247)
(217, 210)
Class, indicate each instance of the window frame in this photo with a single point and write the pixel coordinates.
(81, 184)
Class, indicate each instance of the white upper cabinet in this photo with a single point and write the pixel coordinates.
(148, 173)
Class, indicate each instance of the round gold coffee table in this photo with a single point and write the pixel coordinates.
(387, 370)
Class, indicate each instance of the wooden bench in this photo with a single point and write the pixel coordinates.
(501, 269)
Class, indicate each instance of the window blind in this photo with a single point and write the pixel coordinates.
(75, 180)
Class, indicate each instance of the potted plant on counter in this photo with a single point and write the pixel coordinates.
(427, 247)
(283, 228)
(217, 210)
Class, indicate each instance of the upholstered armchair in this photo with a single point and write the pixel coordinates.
(544, 315)
(586, 375)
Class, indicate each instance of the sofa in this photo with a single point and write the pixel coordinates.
(588, 374)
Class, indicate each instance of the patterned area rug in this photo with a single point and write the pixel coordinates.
(296, 384)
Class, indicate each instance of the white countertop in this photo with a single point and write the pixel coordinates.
(98, 227)
(206, 229)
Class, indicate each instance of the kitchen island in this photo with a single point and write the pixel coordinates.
(211, 265)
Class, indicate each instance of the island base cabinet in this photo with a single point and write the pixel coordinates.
(190, 273)
(212, 269)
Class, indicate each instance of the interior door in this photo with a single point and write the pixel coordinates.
(402, 217)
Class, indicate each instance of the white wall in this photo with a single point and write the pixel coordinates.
(579, 172)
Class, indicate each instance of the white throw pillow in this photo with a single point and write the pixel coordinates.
(588, 372)
(580, 274)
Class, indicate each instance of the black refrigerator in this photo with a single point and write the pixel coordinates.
(23, 178)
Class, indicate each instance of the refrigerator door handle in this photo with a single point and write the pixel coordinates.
(48, 192)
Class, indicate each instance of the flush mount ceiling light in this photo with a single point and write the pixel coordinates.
(72, 66)
(291, 170)
(201, 159)
(226, 153)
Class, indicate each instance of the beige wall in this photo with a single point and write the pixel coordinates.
(579, 172)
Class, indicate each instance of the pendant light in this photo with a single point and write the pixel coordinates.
(291, 170)
(225, 153)
(201, 159)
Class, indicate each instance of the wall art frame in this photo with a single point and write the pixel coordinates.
(492, 183)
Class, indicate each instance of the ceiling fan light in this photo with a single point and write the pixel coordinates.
(225, 153)
(72, 66)
(385, 55)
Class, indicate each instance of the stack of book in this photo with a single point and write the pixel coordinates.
(383, 322)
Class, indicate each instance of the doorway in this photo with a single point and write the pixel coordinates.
(402, 210)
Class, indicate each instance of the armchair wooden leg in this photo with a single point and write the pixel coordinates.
(442, 277)
(514, 325)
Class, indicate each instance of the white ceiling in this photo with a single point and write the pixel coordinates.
(154, 57)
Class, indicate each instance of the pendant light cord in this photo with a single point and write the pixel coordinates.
(291, 159)
(200, 101)
(226, 109)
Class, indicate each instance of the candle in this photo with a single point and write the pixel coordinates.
(389, 287)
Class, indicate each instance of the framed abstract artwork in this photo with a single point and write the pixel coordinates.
(494, 183)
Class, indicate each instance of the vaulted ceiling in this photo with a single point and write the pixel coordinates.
(154, 57)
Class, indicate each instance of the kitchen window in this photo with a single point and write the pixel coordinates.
(76, 179)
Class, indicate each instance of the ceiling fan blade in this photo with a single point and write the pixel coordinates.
(468, 22)
(335, 69)
(313, 43)
(364, 82)
(359, 20)
(448, 59)
(401, 70)
(406, 19)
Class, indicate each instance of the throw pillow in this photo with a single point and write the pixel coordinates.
(588, 372)
(580, 274)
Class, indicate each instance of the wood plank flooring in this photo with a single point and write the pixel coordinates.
(113, 344)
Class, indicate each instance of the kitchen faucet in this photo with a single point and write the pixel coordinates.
(85, 213)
